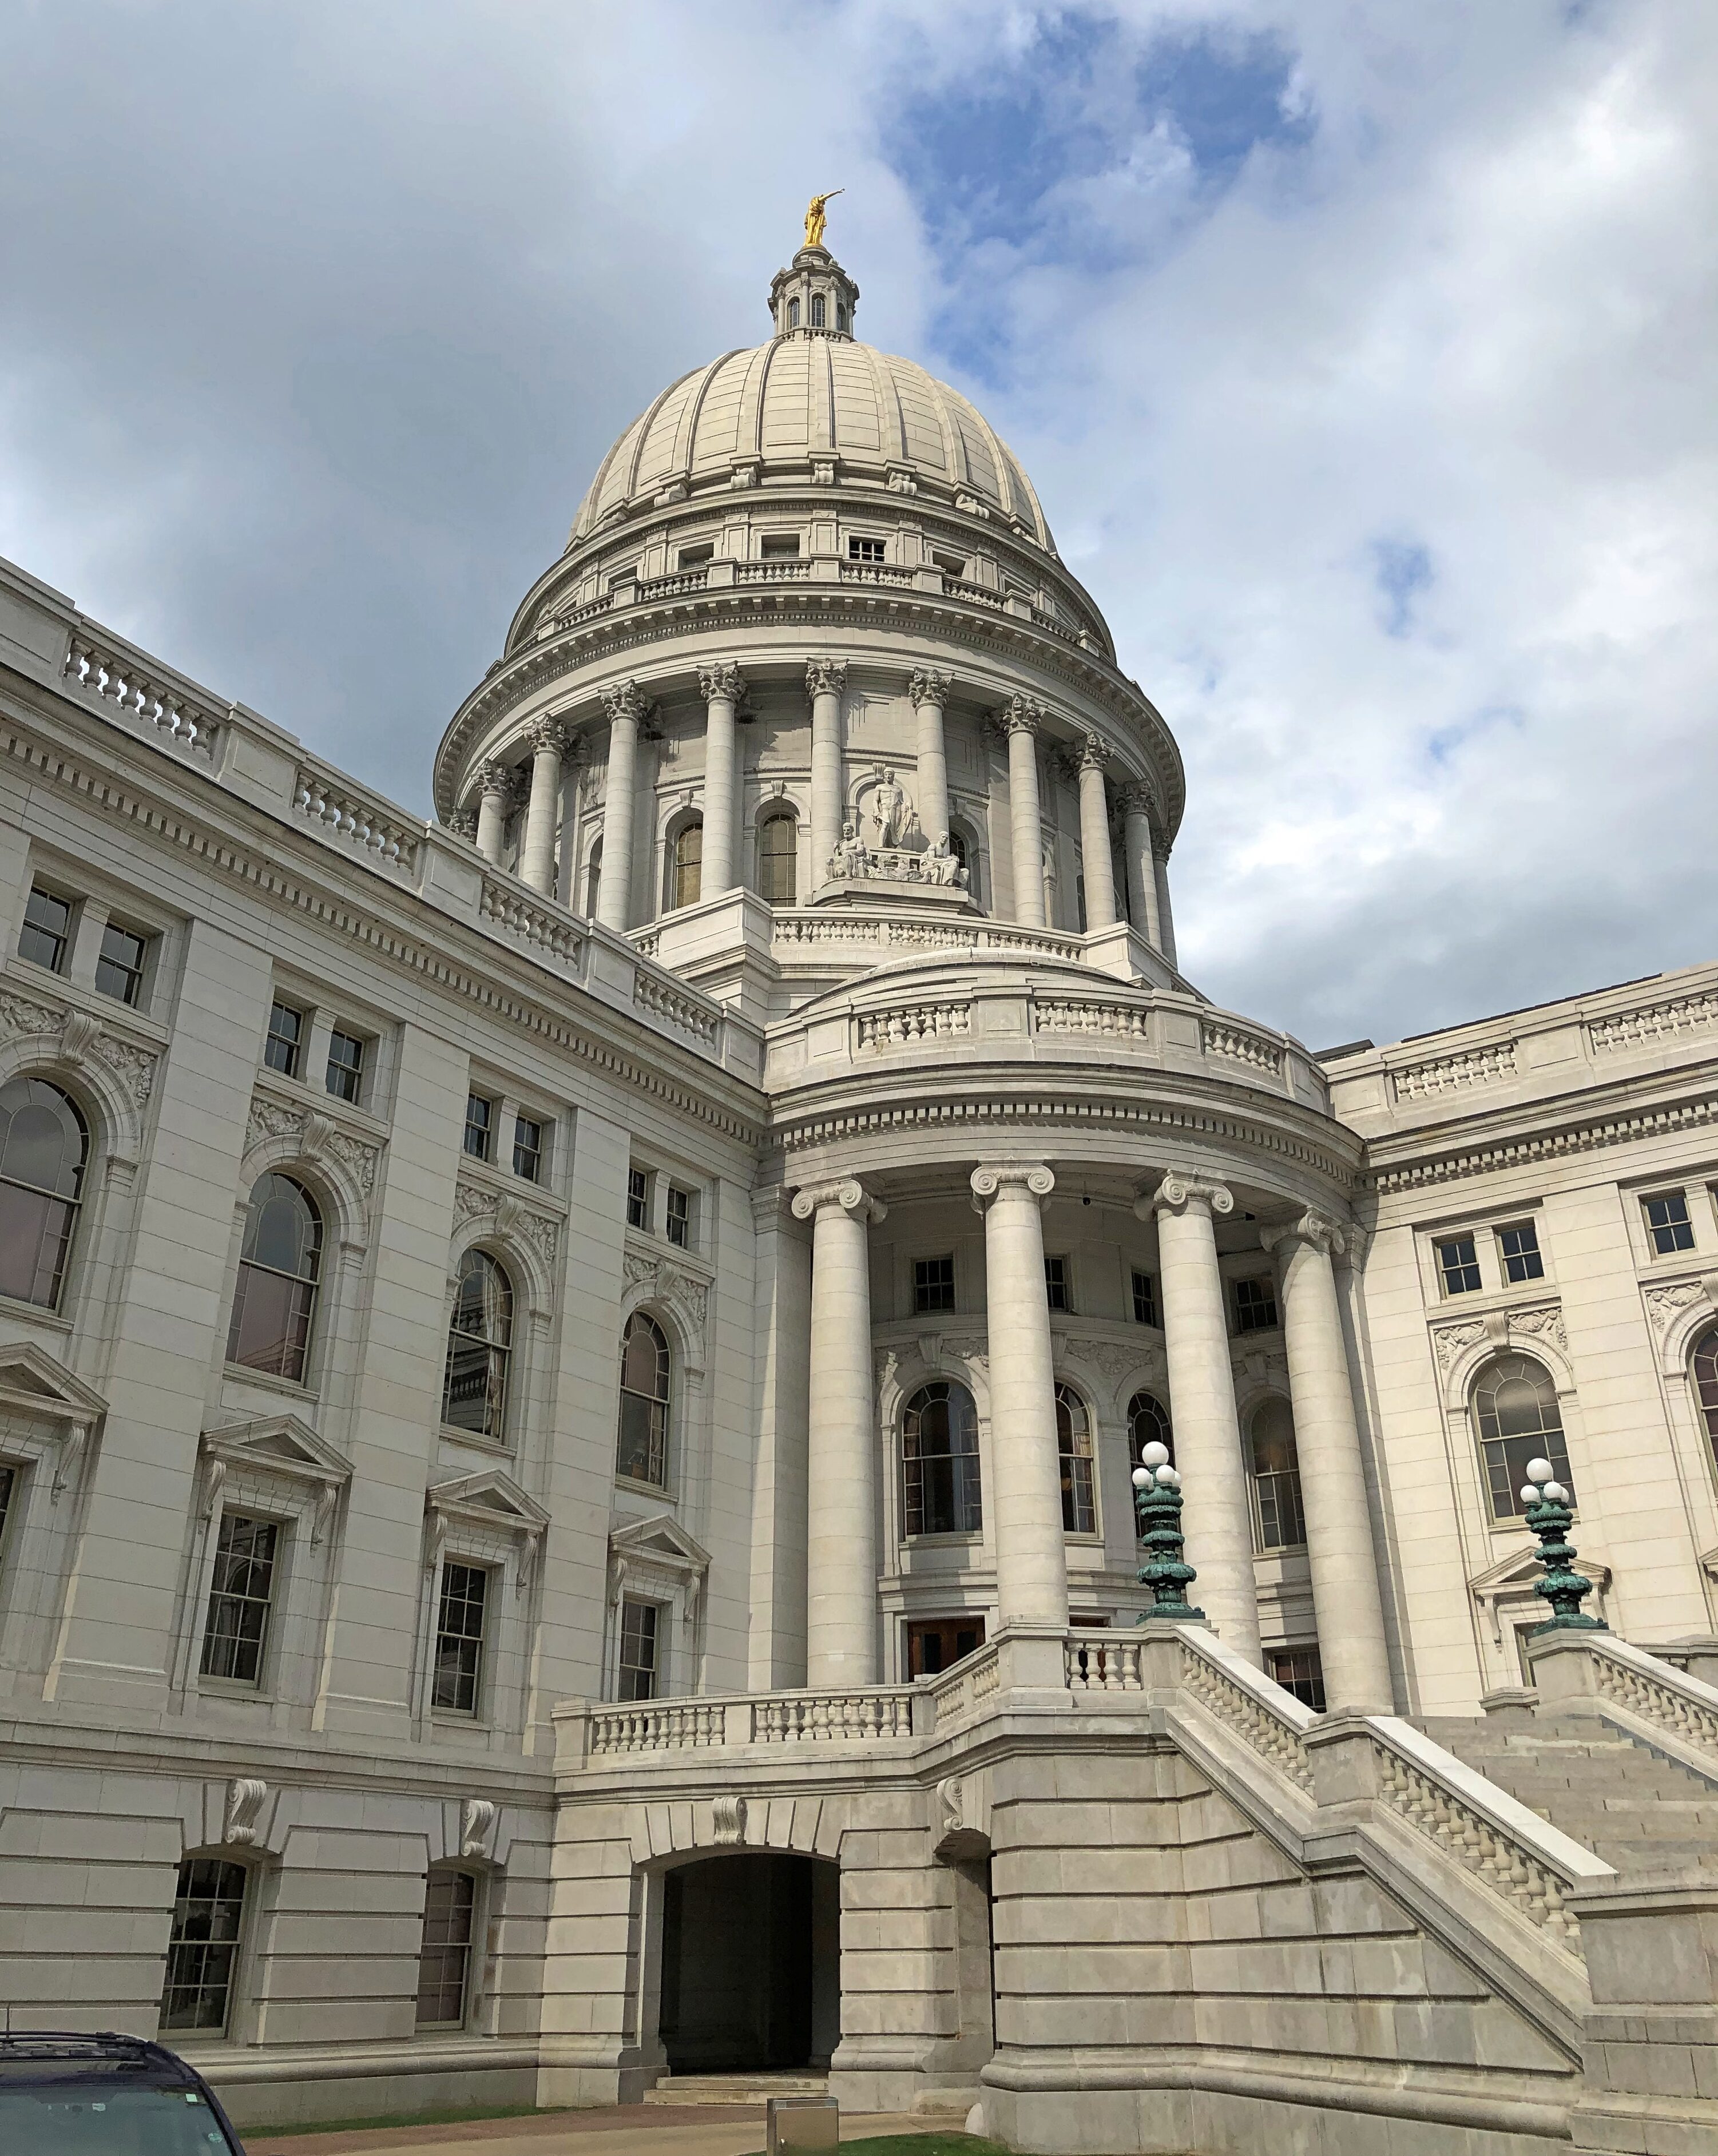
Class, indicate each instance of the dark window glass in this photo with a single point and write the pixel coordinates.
(1667, 1223)
(1255, 1303)
(1520, 1248)
(1705, 1377)
(1459, 1266)
(285, 1039)
(480, 1342)
(693, 556)
(793, 314)
(444, 1957)
(528, 1149)
(239, 1593)
(865, 550)
(1516, 1407)
(46, 929)
(678, 1219)
(1144, 1299)
(8, 1489)
(119, 969)
(1056, 1283)
(44, 1148)
(688, 865)
(202, 1947)
(781, 547)
(275, 1297)
(479, 1121)
(459, 1638)
(638, 1199)
(939, 1457)
(1300, 1670)
(932, 1284)
(346, 1065)
(594, 880)
(1148, 1424)
(638, 1650)
(779, 858)
(1278, 1519)
(818, 311)
(1073, 1443)
(840, 314)
(642, 1452)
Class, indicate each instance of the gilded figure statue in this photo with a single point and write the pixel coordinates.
(815, 220)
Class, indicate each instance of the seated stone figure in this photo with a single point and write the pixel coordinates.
(940, 865)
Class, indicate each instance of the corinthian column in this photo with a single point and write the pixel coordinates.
(929, 692)
(1165, 919)
(1025, 1497)
(1019, 720)
(624, 705)
(1202, 1386)
(1094, 836)
(841, 1536)
(824, 679)
(1340, 1548)
(495, 791)
(1142, 868)
(723, 686)
(543, 816)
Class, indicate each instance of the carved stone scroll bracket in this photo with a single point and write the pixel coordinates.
(728, 1822)
(245, 1802)
(477, 1818)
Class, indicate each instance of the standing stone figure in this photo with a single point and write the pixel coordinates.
(889, 807)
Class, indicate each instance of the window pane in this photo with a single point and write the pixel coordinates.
(480, 1337)
(1144, 1299)
(283, 1231)
(47, 927)
(638, 1650)
(1300, 1670)
(346, 1065)
(688, 865)
(444, 1956)
(1255, 1303)
(638, 1199)
(239, 1593)
(479, 1114)
(528, 1148)
(932, 1284)
(285, 1038)
(459, 1638)
(1279, 1519)
(1515, 1408)
(43, 1140)
(203, 1946)
(1520, 1248)
(1459, 1266)
(679, 1216)
(1667, 1223)
(1056, 1282)
(1148, 1424)
(939, 1458)
(1073, 1436)
(119, 970)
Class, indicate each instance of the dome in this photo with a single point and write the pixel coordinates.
(812, 395)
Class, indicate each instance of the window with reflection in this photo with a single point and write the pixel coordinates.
(1073, 1444)
(779, 858)
(1705, 1379)
(940, 1459)
(203, 1945)
(480, 1346)
(445, 1952)
(279, 1263)
(1516, 1413)
(1148, 1424)
(592, 881)
(1279, 1521)
(688, 863)
(642, 1455)
(45, 1149)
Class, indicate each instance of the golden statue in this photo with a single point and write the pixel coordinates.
(815, 218)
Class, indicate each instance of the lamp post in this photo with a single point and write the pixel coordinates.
(1157, 1497)
(1549, 1516)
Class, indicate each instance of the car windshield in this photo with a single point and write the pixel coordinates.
(68, 2118)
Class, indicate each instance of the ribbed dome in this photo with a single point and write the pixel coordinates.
(801, 398)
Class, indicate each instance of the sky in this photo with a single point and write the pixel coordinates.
(1362, 352)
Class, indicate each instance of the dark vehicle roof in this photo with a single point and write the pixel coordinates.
(47, 2058)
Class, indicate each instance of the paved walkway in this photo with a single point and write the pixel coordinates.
(728, 2129)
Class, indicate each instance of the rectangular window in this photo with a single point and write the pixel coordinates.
(1668, 1228)
(638, 1199)
(480, 1126)
(1144, 1299)
(692, 556)
(46, 929)
(951, 565)
(203, 1946)
(346, 1065)
(679, 1216)
(444, 1957)
(638, 1650)
(865, 550)
(241, 1589)
(119, 970)
(1458, 1266)
(933, 1285)
(1056, 1283)
(528, 1149)
(628, 575)
(8, 1489)
(459, 1638)
(1299, 1670)
(781, 547)
(1255, 1303)
(285, 1041)
(1518, 1248)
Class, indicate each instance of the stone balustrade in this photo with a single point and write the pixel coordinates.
(682, 1009)
(906, 1023)
(141, 692)
(1594, 1672)
(387, 839)
(548, 929)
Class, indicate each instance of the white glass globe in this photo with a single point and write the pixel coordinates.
(1556, 1494)
(1142, 1477)
(1154, 1454)
(1530, 1495)
(1167, 1479)
(1538, 1470)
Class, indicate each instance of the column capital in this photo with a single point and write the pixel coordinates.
(1020, 715)
(624, 699)
(826, 677)
(1185, 1193)
(495, 776)
(848, 1195)
(548, 733)
(1135, 798)
(991, 1177)
(463, 824)
(929, 685)
(1159, 843)
(722, 679)
(1316, 1230)
(1092, 753)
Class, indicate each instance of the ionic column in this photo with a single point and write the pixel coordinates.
(1018, 720)
(929, 692)
(1024, 1500)
(624, 704)
(1094, 836)
(824, 679)
(1339, 1547)
(1202, 1405)
(841, 1534)
(495, 783)
(1165, 919)
(723, 686)
(542, 815)
(1142, 868)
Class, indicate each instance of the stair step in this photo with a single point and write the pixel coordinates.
(738, 2088)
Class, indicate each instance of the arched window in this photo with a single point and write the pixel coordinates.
(1516, 1408)
(480, 1345)
(939, 1461)
(642, 1453)
(818, 311)
(840, 314)
(793, 314)
(1279, 1521)
(1705, 1377)
(965, 848)
(1148, 1424)
(44, 1148)
(688, 863)
(1073, 1443)
(593, 879)
(203, 1945)
(779, 857)
(278, 1264)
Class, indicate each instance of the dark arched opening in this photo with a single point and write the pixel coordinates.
(751, 1964)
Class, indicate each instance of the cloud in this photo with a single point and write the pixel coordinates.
(1363, 357)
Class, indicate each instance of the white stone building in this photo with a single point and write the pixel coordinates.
(568, 1378)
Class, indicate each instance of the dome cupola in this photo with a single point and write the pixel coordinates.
(813, 297)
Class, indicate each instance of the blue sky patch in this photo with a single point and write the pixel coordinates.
(1402, 570)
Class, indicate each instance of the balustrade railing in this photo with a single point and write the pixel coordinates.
(547, 930)
(964, 1689)
(1653, 1691)
(957, 587)
(1100, 1019)
(1454, 1074)
(675, 1007)
(1104, 1662)
(772, 573)
(1241, 1045)
(658, 1725)
(908, 1023)
(831, 1717)
(876, 572)
(121, 678)
(672, 586)
(343, 812)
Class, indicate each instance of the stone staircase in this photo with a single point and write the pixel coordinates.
(1638, 1811)
(736, 2088)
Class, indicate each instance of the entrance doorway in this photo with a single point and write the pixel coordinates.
(937, 1643)
(751, 1964)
